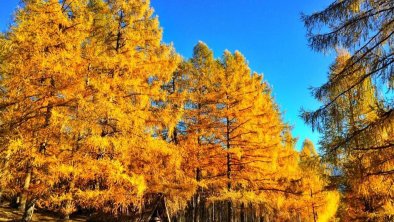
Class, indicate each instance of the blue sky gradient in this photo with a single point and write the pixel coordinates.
(269, 33)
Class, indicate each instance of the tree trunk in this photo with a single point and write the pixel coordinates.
(4, 171)
(190, 210)
(28, 213)
(220, 216)
(22, 205)
(229, 211)
(196, 210)
(313, 208)
(229, 202)
(242, 214)
(213, 211)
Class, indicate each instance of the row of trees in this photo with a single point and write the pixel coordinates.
(97, 114)
(243, 153)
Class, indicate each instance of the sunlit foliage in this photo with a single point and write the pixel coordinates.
(99, 115)
(356, 118)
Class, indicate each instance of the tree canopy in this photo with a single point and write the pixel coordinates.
(99, 116)
(356, 118)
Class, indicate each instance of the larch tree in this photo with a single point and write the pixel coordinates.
(319, 203)
(39, 69)
(354, 111)
(200, 122)
(126, 65)
(170, 125)
(77, 107)
(4, 175)
(232, 133)
(362, 129)
(235, 104)
(251, 135)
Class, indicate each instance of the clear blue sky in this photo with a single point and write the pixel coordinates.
(269, 33)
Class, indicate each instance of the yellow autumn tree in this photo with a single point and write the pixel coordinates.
(362, 168)
(126, 64)
(320, 203)
(80, 81)
(262, 162)
(98, 114)
(360, 141)
(252, 137)
(40, 67)
(200, 122)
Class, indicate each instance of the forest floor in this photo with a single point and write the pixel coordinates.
(11, 214)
